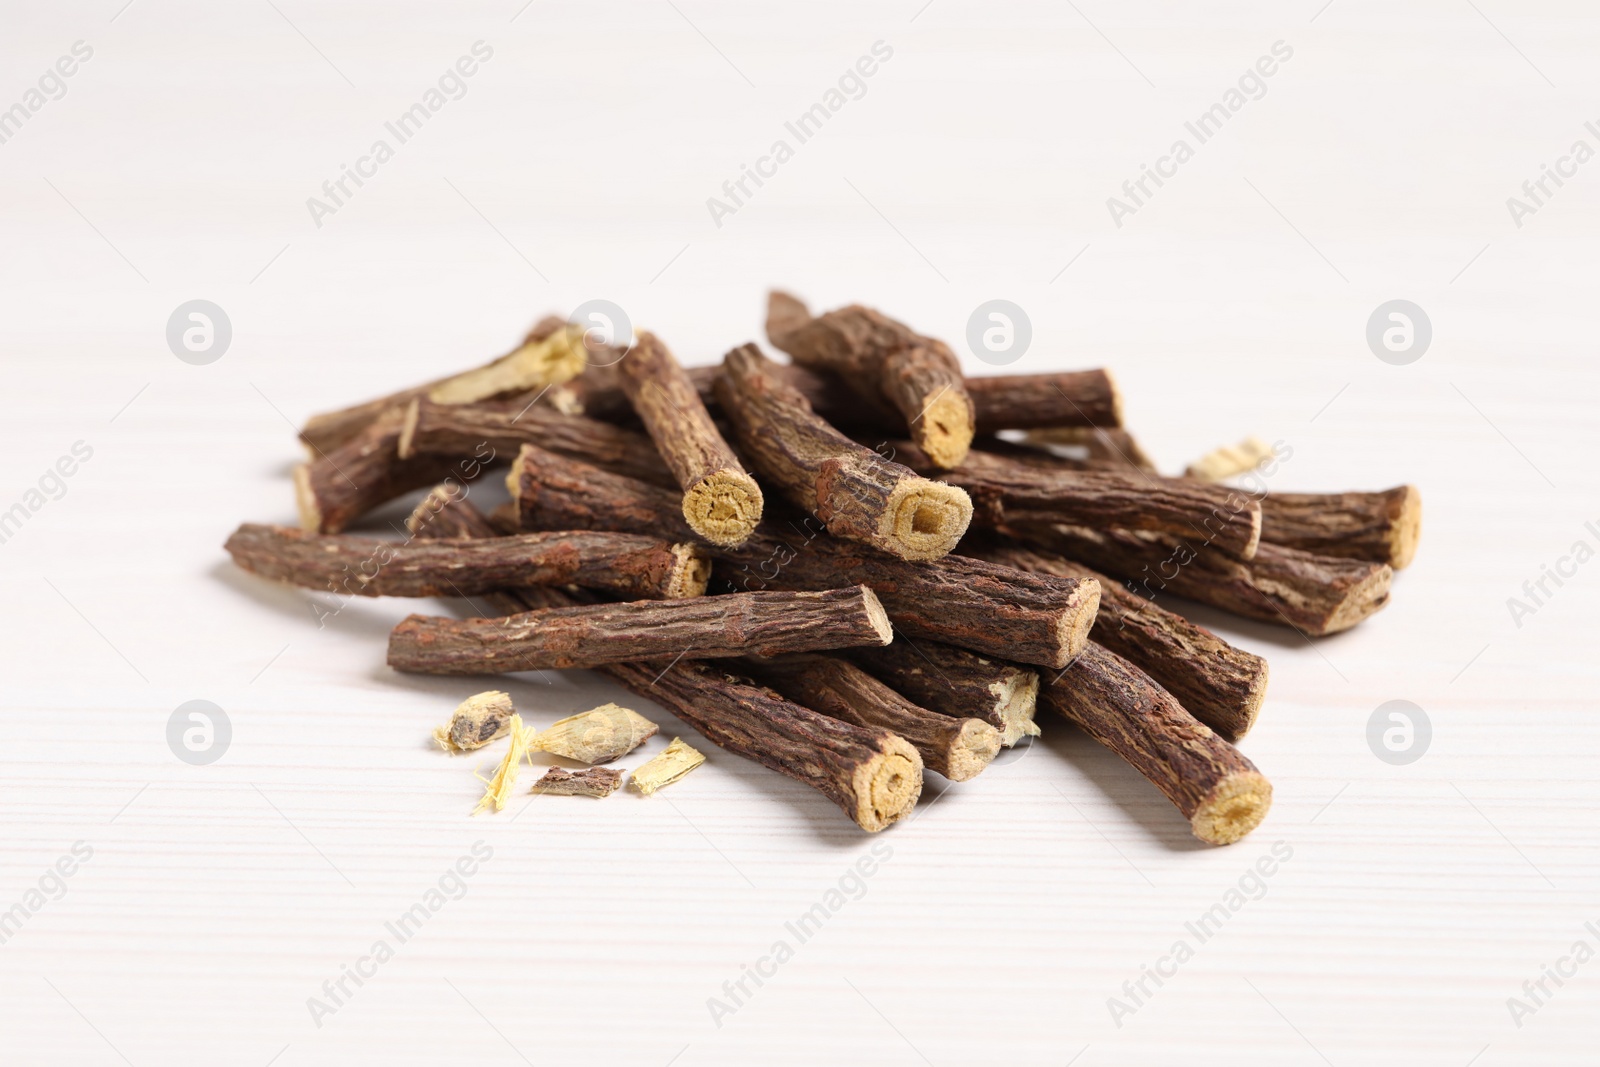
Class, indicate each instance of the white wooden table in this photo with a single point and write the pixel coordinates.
(213, 910)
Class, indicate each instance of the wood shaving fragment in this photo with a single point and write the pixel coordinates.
(597, 736)
(677, 760)
(475, 722)
(589, 782)
(499, 787)
(1229, 460)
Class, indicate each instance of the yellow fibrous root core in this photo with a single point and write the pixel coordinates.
(925, 519)
(1234, 807)
(497, 790)
(724, 507)
(555, 359)
(945, 430)
(886, 787)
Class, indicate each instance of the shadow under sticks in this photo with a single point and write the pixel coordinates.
(1118, 783)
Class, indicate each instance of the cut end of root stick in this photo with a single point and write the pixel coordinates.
(724, 507)
(305, 499)
(877, 615)
(925, 519)
(1362, 599)
(944, 430)
(692, 575)
(1072, 628)
(887, 786)
(1407, 528)
(1232, 809)
(974, 748)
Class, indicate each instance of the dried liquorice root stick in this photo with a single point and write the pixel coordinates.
(1218, 684)
(880, 357)
(1216, 788)
(339, 486)
(1103, 449)
(1313, 594)
(957, 748)
(993, 610)
(446, 512)
(875, 776)
(624, 564)
(1381, 527)
(1005, 491)
(857, 493)
(1029, 401)
(957, 683)
(551, 352)
(592, 635)
(721, 502)
(429, 428)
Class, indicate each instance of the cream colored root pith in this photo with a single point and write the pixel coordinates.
(556, 359)
(886, 787)
(925, 519)
(974, 748)
(724, 507)
(1234, 807)
(945, 430)
(675, 761)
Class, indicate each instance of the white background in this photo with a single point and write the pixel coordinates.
(977, 165)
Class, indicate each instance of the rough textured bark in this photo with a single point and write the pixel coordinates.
(873, 775)
(624, 564)
(880, 357)
(1218, 684)
(1005, 491)
(959, 749)
(721, 502)
(855, 492)
(1030, 401)
(1381, 527)
(997, 611)
(957, 683)
(551, 352)
(1216, 788)
(453, 430)
(1312, 594)
(711, 627)
(339, 486)
(589, 782)
(446, 512)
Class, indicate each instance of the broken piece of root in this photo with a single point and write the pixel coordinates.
(598, 736)
(675, 761)
(498, 789)
(475, 722)
(589, 782)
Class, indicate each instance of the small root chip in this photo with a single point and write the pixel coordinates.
(597, 736)
(477, 721)
(589, 782)
(499, 787)
(677, 760)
